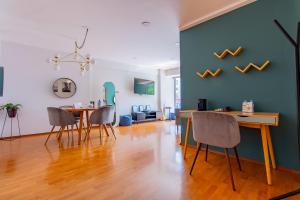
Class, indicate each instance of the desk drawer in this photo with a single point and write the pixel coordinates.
(256, 119)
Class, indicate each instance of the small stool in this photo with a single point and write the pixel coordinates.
(125, 120)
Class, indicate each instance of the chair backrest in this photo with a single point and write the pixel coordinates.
(103, 115)
(215, 129)
(135, 109)
(141, 108)
(148, 108)
(60, 117)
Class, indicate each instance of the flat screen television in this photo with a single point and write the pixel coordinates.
(142, 86)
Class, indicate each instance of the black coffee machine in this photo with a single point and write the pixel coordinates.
(202, 104)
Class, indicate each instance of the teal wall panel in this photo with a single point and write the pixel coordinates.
(109, 93)
(272, 90)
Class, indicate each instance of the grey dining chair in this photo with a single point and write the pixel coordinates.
(102, 116)
(76, 115)
(61, 118)
(216, 129)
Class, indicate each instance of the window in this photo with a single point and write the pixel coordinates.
(177, 92)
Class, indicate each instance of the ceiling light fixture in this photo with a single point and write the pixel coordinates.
(146, 23)
(75, 57)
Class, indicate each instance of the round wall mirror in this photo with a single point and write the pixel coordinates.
(64, 88)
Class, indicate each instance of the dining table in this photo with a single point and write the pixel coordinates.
(83, 111)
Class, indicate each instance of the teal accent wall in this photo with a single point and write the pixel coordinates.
(272, 90)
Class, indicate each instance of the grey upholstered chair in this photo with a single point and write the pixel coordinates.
(76, 115)
(102, 117)
(61, 118)
(218, 130)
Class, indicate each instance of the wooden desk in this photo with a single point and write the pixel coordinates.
(82, 111)
(257, 120)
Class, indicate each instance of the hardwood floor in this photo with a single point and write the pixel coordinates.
(143, 163)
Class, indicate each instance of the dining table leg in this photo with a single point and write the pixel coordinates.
(87, 119)
(80, 127)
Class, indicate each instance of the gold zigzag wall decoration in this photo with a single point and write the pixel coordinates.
(228, 51)
(209, 72)
(251, 65)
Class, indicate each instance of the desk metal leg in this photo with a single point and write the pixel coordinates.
(189, 120)
(270, 145)
(264, 133)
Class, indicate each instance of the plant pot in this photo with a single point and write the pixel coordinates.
(12, 112)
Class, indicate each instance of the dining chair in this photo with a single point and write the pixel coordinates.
(102, 116)
(76, 115)
(219, 130)
(61, 118)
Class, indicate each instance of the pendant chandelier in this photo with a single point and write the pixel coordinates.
(84, 62)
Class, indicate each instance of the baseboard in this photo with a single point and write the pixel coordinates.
(280, 168)
(38, 134)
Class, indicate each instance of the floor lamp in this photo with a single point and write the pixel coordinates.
(296, 45)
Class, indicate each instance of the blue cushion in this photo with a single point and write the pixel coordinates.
(125, 120)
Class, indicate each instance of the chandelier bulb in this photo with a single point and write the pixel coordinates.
(49, 60)
(76, 57)
(93, 61)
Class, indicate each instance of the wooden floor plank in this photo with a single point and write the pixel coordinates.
(145, 162)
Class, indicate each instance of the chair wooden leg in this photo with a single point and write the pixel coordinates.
(77, 131)
(85, 129)
(68, 132)
(87, 135)
(237, 158)
(112, 130)
(229, 169)
(58, 132)
(72, 130)
(61, 132)
(198, 150)
(105, 128)
(100, 132)
(49, 134)
(206, 152)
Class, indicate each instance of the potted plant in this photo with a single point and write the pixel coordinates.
(11, 109)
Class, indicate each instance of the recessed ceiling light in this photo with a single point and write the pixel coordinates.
(146, 23)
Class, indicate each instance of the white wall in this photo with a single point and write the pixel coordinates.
(167, 87)
(123, 80)
(28, 80)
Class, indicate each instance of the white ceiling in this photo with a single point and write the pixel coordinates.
(115, 26)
